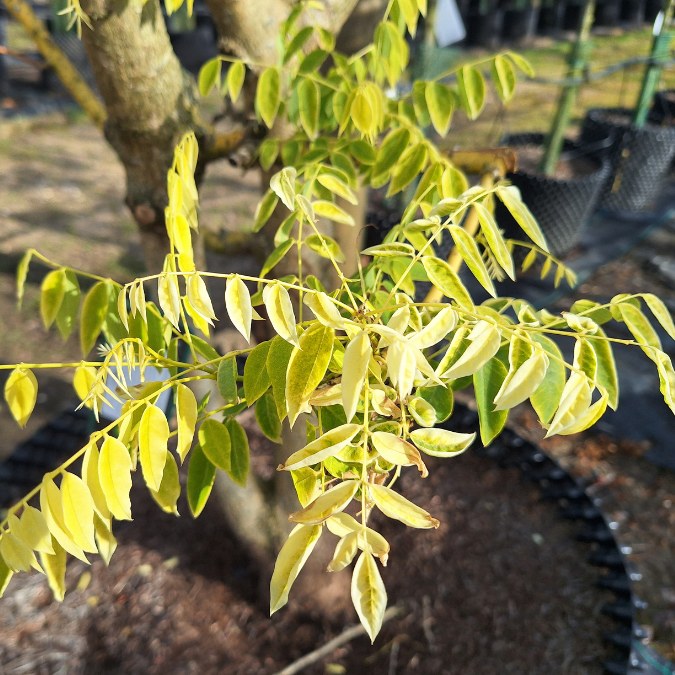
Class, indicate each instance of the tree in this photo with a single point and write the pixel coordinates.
(365, 371)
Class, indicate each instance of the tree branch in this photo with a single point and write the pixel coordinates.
(22, 12)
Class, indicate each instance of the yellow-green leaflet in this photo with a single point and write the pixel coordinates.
(52, 509)
(395, 506)
(105, 540)
(280, 311)
(586, 418)
(89, 475)
(325, 310)
(368, 594)
(78, 511)
(214, 440)
(122, 307)
(291, 558)
(168, 294)
(402, 366)
(485, 340)
(16, 554)
(521, 383)
(198, 296)
(660, 311)
(282, 184)
(54, 566)
(443, 277)
(422, 411)
(510, 197)
(397, 451)
(21, 393)
(441, 442)
(437, 329)
(52, 293)
(342, 524)
(574, 402)
(325, 505)
(338, 187)
(307, 366)
(495, 240)
(186, 414)
(137, 300)
(344, 552)
(325, 446)
(84, 380)
(114, 474)
(153, 438)
(238, 305)
(306, 484)
(169, 488)
(32, 530)
(354, 371)
(331, 211)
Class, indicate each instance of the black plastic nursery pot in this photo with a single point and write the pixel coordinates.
(639, 158)
(571, 19)
(632, 12)
(560, 205)
(550, 18)
(652, 9)
(482, 29)
(607, 13)
(663, 107)
(517, 24)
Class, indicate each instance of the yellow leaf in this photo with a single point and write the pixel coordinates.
(21, 393)
(323, 447)
(331, 211)
(78, 512)
(485, 341)
(51, 506)
(325, 310)
(153, 437)
(355, 369)
(345, 551)
(290, 561)
(186, 413)
(397, 451)
(122, 307)
(54, 565)
(437, 329)
(83, 382)
(441, 442)
(168, 294)
(238, 305)
(169, 488)
(330, 502)
(32, 530)
(395, 506)
(522, 382)
(574, 402)
(114, 473)
(342, 524)
(198, 296)
(280, 311)
(105, 540)
(89, 475)
(15, 553)
(368, 594)
(52, 293)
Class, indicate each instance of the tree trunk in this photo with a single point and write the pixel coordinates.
(151, 104)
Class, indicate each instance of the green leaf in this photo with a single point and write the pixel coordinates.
(638, 325)
(214, 441)
(411, 165)
(307, 366)
(227, 379)
(309, 100)
(546, 399)
(325, 246)
(660, 312)
(443, 277)
(504, 77)
(52, 292)
(494, 239)
(312, 62)
(471, 90)
(606, 375)
(471, 255)
(487, 382)
(439, 442)
(264, 210)
(256, 378)
(267, 96)
(201, 476)
(441, 104)
(21, 391)
(114, 475)
(277, 365)
(239, 453)
(238, 305)
(298, 42)
(510, 197)
(235, 79)
(368, 594)
(267, 416)
(94, 312)
(522, 63)
(209, 75)
(327, 209)
(391, 150)
(441, 400)
(169, 487)
(153, 438)
(274, 258)
(291, 559)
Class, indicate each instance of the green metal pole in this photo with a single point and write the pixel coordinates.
(659, 53)
(576, 65)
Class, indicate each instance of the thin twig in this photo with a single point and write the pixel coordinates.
(346, 636)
